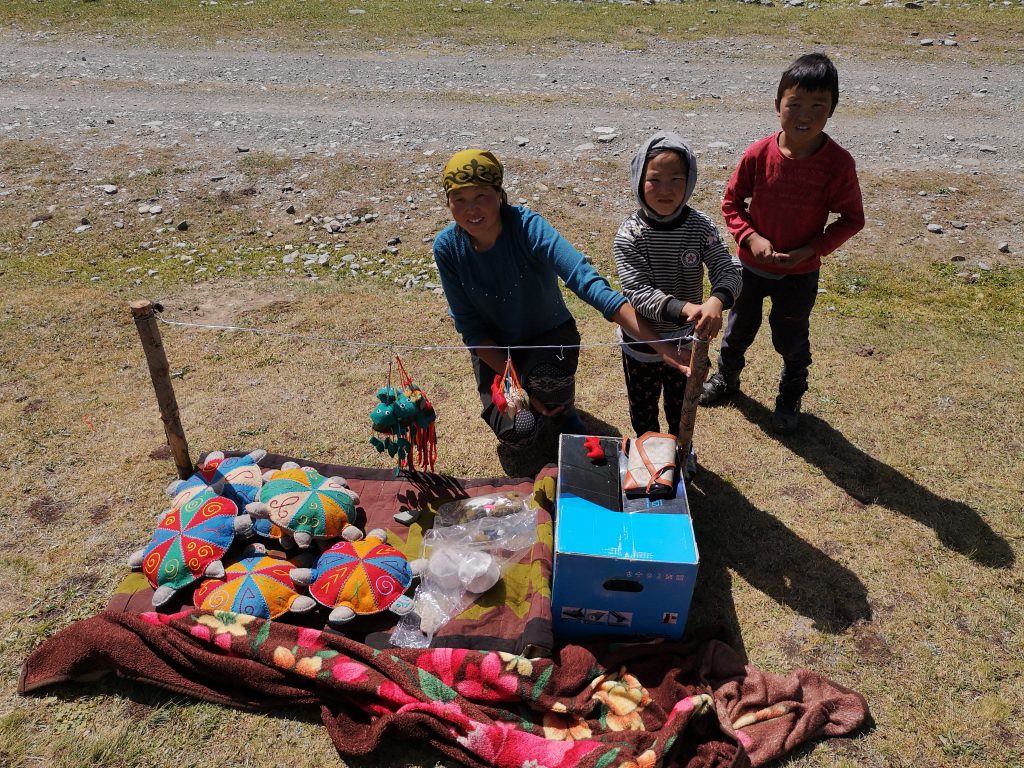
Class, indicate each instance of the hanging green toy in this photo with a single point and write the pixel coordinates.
(404, 423)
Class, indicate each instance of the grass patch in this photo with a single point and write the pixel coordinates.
(523, 24)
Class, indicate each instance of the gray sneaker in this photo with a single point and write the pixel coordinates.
(718, 388)
(786, 419)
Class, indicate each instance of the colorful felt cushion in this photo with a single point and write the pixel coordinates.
(238, 478)
(258, 585)
(188, 539)
(301, 500)
(365, 576)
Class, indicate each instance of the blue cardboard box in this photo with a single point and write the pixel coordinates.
(616, 572)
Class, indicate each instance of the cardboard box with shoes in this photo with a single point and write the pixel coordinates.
(622, 567)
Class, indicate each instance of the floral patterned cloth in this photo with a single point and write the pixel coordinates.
(676, 704)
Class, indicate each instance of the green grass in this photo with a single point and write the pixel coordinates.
(519, 24)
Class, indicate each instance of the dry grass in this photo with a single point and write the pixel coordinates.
(880, 547)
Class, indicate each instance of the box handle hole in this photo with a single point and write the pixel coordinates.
(623, 585)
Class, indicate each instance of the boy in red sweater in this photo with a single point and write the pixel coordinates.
(777, 206)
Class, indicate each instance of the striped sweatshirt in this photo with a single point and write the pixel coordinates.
(662, 267)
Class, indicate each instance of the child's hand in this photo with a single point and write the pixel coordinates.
(760, 248)
(794, 257)
(706, 317)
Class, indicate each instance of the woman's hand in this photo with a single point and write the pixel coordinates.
(634, 325)
(706, 317)
(543, 410)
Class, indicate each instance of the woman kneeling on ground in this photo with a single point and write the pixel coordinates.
(499, 266)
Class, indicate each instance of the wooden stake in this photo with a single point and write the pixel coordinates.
(694, 386)
(160, 372)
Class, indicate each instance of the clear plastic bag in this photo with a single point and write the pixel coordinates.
(468, 550)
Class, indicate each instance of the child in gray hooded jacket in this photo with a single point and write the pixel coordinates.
(661, 252)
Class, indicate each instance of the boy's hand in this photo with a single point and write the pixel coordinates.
(706, 317)
(794, 257)
(760, 248)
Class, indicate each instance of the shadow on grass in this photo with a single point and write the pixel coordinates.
(734, 535)
(870, 481)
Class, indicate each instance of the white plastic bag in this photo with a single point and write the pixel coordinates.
(468, 550)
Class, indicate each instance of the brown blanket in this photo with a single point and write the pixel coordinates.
(679, 704)
(480, 696)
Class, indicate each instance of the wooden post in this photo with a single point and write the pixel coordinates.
(694, 386)
(160, 372)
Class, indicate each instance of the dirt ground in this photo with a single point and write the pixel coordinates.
(935, 113)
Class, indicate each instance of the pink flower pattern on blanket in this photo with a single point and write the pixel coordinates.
(502, 745)
(486, 681)
(627, 711)
(442, 663)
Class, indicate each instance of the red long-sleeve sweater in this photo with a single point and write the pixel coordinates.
(789, 201)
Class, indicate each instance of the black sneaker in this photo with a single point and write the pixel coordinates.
(718, 388)
(786, 419)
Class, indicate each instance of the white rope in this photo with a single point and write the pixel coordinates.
(403, 347)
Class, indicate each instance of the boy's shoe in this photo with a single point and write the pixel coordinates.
(786, 419)
(718, 388)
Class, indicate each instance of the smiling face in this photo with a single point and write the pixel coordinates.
(665, 183)
(477, 209)
(802, 116)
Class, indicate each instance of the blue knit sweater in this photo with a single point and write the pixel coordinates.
(510, 293)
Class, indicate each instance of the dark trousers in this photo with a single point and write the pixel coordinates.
(645, 383)
(549, 374)
(792, 298)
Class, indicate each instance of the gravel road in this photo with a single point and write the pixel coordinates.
(934, 112)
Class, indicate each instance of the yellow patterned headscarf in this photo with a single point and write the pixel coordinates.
(472, 168)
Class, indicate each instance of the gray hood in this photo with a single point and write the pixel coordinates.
(663, 140)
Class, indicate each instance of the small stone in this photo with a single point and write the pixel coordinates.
(155, 209)
(957, 224)
(407, 516)
(219, 177)
(242, 149)
(82, 228)
(606, 138)
(986, 148)
(718, 145)
(119, 224)
(394, 240)
(935, 229)
(949, 42)
(984, 266)
(583, 147)
(1004, 247)
(182, 225)
(914, 6)
(926, 41)
(143, 208)
(521, 141)
(110, 189)
(290, 210)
